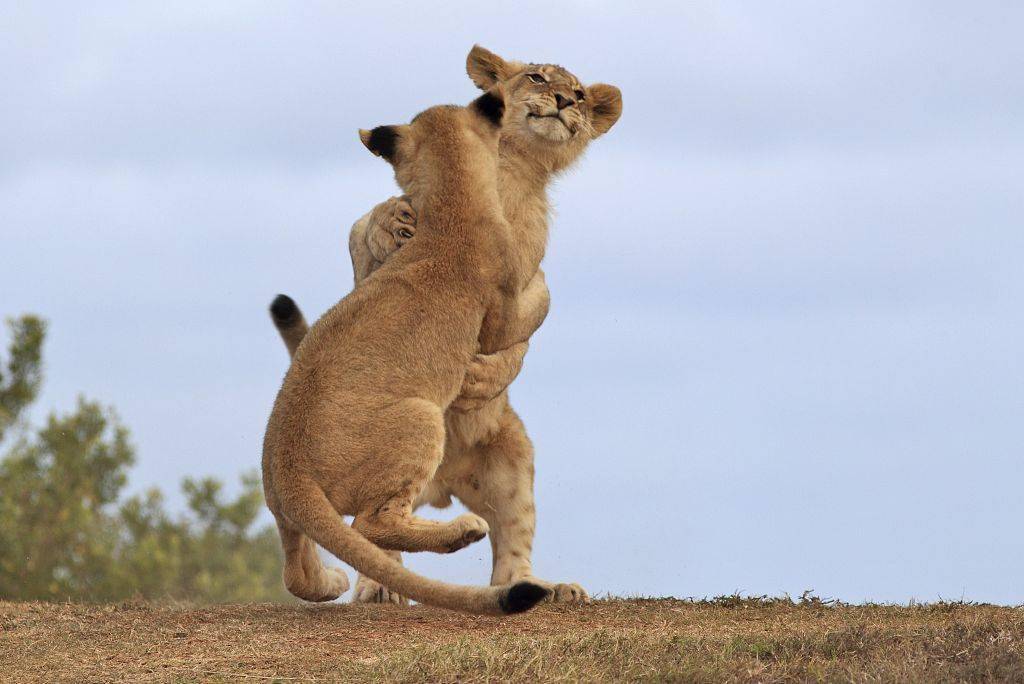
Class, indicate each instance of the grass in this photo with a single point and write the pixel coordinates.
(729, 639)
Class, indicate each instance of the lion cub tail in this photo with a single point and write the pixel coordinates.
(289, 321)
(312, 511)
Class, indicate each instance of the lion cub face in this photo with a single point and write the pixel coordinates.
(551, 115)
(441, 141)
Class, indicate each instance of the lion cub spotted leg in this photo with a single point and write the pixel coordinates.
(387, 519)
(305, 575)
(502, 493)
(509, 479)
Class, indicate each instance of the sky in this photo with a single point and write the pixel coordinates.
(784, 349)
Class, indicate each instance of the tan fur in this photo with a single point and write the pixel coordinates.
(488, 462)
(358, 425)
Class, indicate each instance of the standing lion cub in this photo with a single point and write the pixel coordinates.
(358, 425)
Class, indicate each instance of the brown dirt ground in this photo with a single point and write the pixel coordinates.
(728, 639)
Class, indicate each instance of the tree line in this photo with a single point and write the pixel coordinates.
(69, 532)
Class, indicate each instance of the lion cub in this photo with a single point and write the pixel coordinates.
(358, 425)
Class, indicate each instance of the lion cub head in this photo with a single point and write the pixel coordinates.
(552, 117)
(442, 145)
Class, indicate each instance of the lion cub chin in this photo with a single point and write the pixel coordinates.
(358, 425)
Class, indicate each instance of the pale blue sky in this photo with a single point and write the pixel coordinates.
(785, 346)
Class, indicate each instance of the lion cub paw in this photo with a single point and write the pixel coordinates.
(562, 592)
(481, 383)
(569, 593)
(472, 528)
(488, 375)
(392, 224)
(319, 584)
(371, 591)
(333, 583)
(336, 582)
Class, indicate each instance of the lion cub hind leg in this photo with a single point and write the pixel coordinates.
(415, 440)
(305, 575)
(369, 590)
(395, 528)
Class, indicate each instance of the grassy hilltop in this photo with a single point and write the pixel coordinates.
(727, 639)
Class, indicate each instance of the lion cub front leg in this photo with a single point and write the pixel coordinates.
(489, 375)
(531, 308)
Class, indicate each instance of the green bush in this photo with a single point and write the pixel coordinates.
(66, 532)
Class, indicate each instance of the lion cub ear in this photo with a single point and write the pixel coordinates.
(490, 106)
(486, 68)
(382, 141)
(606, 104)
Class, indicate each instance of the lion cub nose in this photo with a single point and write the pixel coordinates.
(562, 101)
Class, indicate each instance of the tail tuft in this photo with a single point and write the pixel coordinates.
(523, 596)
(284, 311)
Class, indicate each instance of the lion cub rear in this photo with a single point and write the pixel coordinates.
(358, 425)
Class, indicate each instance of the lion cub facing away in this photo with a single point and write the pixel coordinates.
(358, 425)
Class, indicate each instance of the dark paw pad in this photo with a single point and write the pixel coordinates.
(473, 536)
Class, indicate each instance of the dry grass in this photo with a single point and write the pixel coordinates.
(728, 639)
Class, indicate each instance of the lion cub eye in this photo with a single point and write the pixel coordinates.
(536, 78)
(580, 96)
(404, 233)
